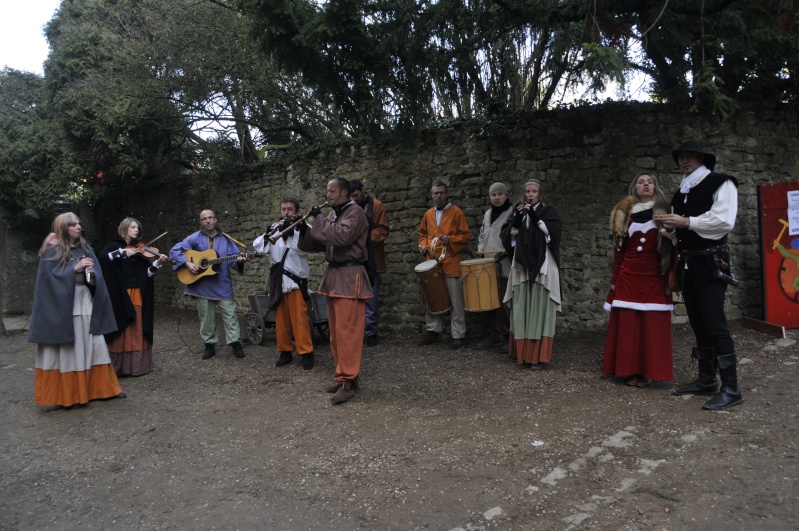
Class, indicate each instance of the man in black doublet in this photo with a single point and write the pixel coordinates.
(703, 214)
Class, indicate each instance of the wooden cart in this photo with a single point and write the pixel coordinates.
(261, 317)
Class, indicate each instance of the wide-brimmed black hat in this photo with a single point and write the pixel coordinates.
(708, 159)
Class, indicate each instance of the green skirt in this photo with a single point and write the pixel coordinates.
(534, 312)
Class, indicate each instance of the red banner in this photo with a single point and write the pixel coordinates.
(779, 240)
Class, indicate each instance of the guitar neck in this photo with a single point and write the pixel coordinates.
(221, 259)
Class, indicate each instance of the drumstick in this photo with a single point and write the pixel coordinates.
(490, 252)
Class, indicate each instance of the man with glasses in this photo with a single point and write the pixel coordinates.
(213, 292)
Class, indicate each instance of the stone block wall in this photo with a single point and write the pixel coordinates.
(19, 259)
(585, 158)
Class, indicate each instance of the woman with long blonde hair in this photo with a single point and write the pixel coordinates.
(71, 312)
(638, 343)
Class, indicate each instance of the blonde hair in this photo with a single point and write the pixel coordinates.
(48, 242)
(657, 196)
(62, 243)
(125, 225)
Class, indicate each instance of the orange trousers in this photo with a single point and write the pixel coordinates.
(347, 320)
(291, 319)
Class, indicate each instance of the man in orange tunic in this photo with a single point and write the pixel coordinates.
(448, 223)
(342, 236)
(376, 213)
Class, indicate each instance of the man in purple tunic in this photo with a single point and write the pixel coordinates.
(213, 291)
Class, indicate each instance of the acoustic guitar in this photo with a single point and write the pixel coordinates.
(204, 260)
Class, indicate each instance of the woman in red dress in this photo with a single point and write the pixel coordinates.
(638, 344)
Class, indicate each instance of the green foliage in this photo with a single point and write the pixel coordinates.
(145, 89)
(95, 90)
(384, 63)
(33, 173)
(711, 54)
(710, 95)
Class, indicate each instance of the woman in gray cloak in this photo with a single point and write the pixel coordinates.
(71, 312)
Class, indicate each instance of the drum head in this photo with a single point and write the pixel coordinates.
(477, 261)
(426, 266)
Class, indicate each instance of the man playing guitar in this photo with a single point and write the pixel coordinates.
(214, 291)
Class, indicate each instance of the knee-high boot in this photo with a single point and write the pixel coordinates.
(706, 384)
(729, 395)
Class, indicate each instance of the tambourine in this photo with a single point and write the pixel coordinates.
(432, 250)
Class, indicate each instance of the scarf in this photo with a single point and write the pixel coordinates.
(691, 180)
(497, 211)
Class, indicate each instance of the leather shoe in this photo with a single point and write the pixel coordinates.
(456, 343)
(307, 361)
(238, 351)
(356, 384)
(210, 350)
(345, 392)
(284, 359)
(370, 341)
(488, 343)
(429, 339)
(698, 388)
(121, 395)
(725, 398)
(538, 366)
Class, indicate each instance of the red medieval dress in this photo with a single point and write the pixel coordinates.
(639, 331)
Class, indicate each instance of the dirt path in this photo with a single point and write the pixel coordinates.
(437, 439)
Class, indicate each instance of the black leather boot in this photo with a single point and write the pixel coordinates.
(210, 350)
(238, 351)
(706, 384)
(284, 359)
(307, 361)
(729, 395)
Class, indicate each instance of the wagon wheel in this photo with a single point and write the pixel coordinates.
(255, 328)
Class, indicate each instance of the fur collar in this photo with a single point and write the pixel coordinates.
(620, 219)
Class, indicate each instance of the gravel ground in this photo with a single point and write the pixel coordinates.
(436, 439)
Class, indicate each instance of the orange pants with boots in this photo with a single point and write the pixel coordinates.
(291, 319)
(347, 320)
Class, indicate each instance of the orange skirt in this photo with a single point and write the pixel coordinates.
(56, 388)
(531, 350)
(131, 351)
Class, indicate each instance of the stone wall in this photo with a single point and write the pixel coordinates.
(584, 157)
(18, 261)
